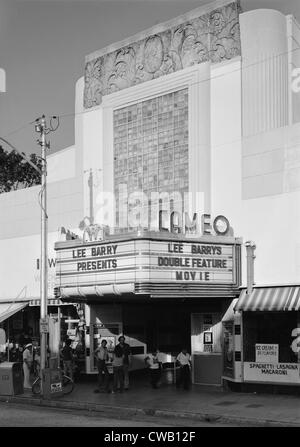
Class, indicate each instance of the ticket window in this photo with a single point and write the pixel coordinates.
(206, 333)
(206, 341)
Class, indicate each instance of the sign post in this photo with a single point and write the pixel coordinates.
(44, 325)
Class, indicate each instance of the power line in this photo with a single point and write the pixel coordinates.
(210, 78)
(241, 69)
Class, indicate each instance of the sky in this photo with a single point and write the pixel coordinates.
(43, 45)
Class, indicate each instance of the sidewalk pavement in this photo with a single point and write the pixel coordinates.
(202, 403)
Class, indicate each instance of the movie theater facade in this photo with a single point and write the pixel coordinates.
(162, 290)
(159, 270)
(185, 142)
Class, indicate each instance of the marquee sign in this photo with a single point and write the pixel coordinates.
(142, 260)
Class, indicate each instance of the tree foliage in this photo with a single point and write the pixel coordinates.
(16, 173)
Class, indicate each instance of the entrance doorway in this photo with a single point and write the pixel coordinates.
(163, 326)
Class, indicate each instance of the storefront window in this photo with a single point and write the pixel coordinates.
(272, 328)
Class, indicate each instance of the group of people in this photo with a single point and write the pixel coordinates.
(119, 358)
(30, 357)
(120, 361)
(32, 361)
(21, 350)
(183, 361)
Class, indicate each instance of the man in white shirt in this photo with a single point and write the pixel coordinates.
(184, 361)
(153, 362)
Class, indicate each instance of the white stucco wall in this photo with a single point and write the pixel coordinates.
(256, 178)
(20, 276)
(62, 165)
(2, 81)
(20, 215)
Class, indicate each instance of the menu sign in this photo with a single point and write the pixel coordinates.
(272, 372)
(266, 353)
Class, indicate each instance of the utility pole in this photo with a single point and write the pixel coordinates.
(41, 128)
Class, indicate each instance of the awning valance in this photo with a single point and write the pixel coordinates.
(50, 302)
(270, 299)
(9, 309)
(99, 291)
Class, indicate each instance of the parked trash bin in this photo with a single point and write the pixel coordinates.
(11, 378)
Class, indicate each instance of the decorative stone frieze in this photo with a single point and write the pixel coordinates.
(213, 36)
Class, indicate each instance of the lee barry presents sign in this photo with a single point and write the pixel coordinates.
(265, 353)
(272, 372)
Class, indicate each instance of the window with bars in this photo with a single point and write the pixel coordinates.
(151, 146)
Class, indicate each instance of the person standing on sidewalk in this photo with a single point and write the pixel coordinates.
(184, 361)
(67, 358)
(118, 369)
(27, 364)
(154, 364)
(126, 359)
(101, 354)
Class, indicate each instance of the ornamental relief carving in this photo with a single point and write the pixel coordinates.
(212, 37)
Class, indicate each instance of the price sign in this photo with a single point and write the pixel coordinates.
(44, 326)
(56, 387)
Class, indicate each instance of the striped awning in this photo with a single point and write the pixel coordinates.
(11, 308)
(270, 299)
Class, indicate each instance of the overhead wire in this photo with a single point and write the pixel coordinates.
(93, 108)
(210, 78)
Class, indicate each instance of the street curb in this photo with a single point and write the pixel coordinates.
(117, 411)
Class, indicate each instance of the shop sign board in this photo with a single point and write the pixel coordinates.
(145, 260)
(266, 353)
(272, 372)
(208, 338)
(56, 387)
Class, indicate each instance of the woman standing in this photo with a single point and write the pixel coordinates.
(27, 363)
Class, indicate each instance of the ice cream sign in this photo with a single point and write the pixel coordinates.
(266, 353)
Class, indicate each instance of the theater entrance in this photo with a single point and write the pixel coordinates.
(165, 326)
(168, 325)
